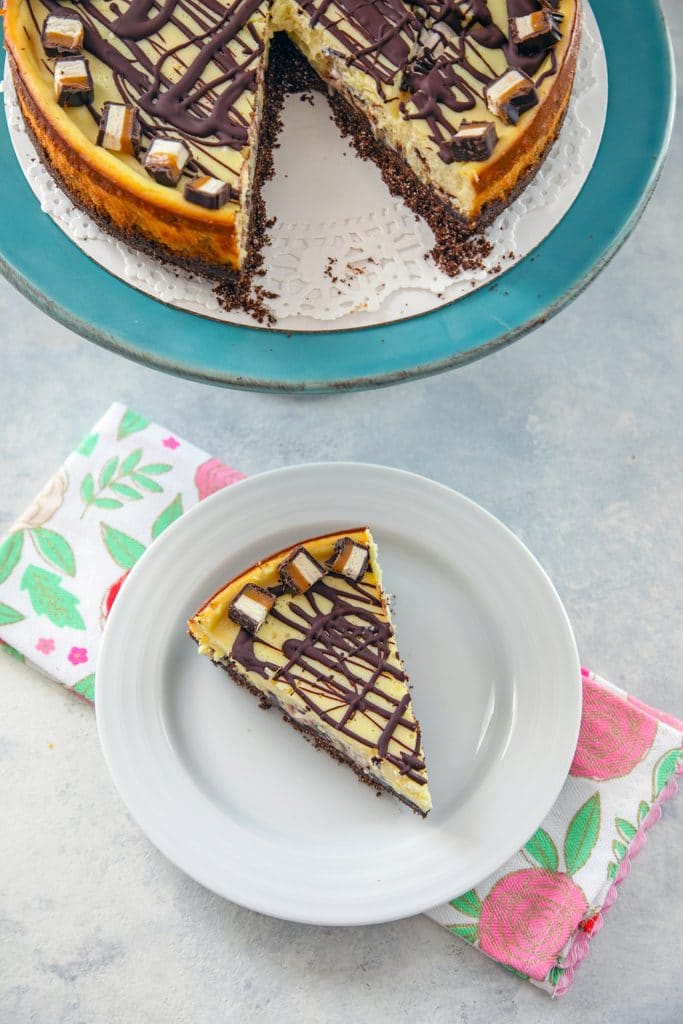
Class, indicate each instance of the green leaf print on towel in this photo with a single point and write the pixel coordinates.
(131, 461)
(543, 850)
(10, 553)
(627, 830)
(8, 616)
(155, 468)
(146, 483)
(49, 598)
(619, 850)
(582, 834)
(469, 903)
(555, 975)
(55, 549)
(127, 480)
(88, 445)
(168, 516)
(87, 489)
(664, 770)
(86, 687)
(11, 651)
(469, 932)
(130, 423)
(124, 549)
(107, 503)
(108, 472)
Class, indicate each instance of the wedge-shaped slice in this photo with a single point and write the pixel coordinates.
(324, 652)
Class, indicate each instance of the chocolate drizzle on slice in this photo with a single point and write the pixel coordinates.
(338, 662)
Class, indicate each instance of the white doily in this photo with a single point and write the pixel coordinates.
(344, 252)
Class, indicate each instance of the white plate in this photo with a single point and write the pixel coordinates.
(237, 800)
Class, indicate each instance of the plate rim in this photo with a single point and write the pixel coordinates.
(134, 802)
(445, 325)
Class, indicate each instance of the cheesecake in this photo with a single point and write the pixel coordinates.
(151, 116)
(308, 631)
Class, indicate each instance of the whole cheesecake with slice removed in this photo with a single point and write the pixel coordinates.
(308, 630)
(151, 115)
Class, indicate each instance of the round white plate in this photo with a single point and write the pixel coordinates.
(234, 796)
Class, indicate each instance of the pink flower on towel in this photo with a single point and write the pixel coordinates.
(171, 442)
(77, 655)
(527, 918)
(614, 736)
(45, 645)
(213, 475)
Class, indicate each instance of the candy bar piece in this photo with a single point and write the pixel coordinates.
(300, 571)
(119, 129)
(349, 559)
(211, 193)
(73, 82)
(534, 32)
(251, 606)
(165, 160)
(510, 95)
(474, 140)
(62, 35)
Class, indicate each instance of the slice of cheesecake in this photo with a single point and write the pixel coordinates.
(308, 630)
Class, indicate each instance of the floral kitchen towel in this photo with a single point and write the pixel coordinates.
(65, 558)
(537, 914)
(61, 567)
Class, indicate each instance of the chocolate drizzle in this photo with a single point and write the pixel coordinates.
(388, 26)
(432, 56)
(338, 662)
(193, 87)
(453, 62)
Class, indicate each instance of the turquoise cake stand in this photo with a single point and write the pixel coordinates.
(54, 274)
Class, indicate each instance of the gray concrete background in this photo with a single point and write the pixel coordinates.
(573, 438)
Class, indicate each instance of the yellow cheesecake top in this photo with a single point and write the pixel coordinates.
(461, 56)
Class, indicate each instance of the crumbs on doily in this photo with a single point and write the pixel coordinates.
(353, 269)
(329, 266)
